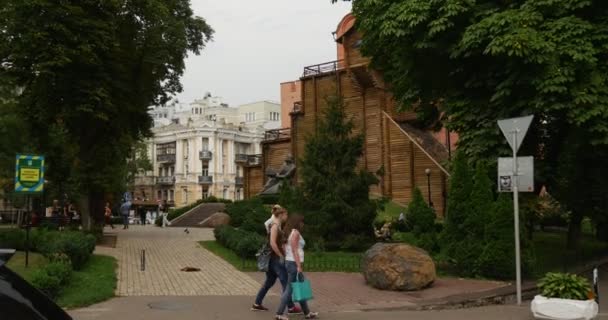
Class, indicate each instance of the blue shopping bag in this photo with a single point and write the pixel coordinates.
(301, 290)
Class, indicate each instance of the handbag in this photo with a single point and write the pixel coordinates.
(301, 290)
(263, 257)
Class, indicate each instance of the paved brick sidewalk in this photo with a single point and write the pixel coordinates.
(167, 251)
(348, 291)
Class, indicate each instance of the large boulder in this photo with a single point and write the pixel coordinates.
(398, 267)
(215, 220)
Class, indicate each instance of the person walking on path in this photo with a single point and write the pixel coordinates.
(108, 215)
(294, 256)
(125, 208)
(276, 268)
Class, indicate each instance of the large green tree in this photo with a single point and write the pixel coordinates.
(333, 192)
(89, 70)
(480, 61)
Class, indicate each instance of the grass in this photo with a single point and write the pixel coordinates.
(95, 283)
(314, 261)
(391, 211)
(552, 255)
(17, 264)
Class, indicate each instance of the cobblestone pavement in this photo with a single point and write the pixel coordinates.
(169, 250)
(348, 292)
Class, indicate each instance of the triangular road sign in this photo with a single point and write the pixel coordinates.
(519, 125)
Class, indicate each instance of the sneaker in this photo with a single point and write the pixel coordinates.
(312, 315)
(295, 310)
(280, 317)
(260, 307)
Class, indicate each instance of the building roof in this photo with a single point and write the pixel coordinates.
(345, 26)
(427, 142)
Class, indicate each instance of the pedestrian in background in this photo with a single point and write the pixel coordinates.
(108, 215)
(125, 209)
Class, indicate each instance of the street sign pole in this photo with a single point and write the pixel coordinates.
(516, 214)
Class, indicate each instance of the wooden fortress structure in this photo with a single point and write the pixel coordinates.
(406, 156)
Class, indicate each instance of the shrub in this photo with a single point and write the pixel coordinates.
(420, 217)
(48, 284)
(355, 243)
(12, 239)
(62, 270)
(244, 243)
(76, 245)
(249, 215)
(458, 205)
(564, 286)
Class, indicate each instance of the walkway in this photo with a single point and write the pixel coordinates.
(167, 252)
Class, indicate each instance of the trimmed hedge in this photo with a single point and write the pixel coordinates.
(249, 215)
(244, 243)
(75, 245)
(52, 277)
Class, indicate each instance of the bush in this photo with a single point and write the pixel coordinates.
(249, 215)
(52, 277)
(12, 239)
(564, 286)
(244, 243)
(420, 217)
(77, 246)
(355, 243)
(49, 285)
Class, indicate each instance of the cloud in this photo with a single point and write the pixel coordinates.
(259, 44)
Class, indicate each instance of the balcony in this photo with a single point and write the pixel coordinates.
(240, 158)
(205, 155)
(277, 135)
(166, 180)
(144, 181)
(239, 181)
(254, 160)
(322, 68)
(167, 158)
(205, 180)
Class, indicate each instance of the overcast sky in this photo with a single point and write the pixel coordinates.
(258, 44)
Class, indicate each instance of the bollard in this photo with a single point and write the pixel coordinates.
(143, 260)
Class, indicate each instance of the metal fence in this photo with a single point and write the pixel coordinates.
(319, 262)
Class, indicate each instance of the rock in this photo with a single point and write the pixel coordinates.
(398, 267)
(215, 220)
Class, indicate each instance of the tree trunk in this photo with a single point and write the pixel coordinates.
(85, 213)
(574, 230)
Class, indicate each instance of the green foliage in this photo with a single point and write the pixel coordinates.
(420, 217)
(103, 65)
(12, 239)
(249, 215)
(244, 243)
(482, 202)
(48, 284)
(333, 195)
(62, 270)
(458, 207)
(479, 61)
(564, 286)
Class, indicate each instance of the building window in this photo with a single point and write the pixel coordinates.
(159, 195)
(165, 148)
(171, 195)
(225, 194)
(205, 144)
(185, 195)
(205, 193)
(205, 170)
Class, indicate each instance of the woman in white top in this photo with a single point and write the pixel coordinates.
(294, 262)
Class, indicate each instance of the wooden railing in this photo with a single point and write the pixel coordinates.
(322, 68)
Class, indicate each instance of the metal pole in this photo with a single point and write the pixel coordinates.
(596, 285)
(428, 183)
(516, 213)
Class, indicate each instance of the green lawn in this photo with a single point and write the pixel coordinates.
(94, 283)
(552, 255)
(391, 210)
(314, 261)
(17, 264)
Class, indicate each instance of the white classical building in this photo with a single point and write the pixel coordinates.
(200, 150)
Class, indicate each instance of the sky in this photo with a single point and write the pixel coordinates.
(257, 45)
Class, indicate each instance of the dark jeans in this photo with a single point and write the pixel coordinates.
(125, 221)
(292, 275)
(275, 270)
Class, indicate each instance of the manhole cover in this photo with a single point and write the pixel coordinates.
(168, 305)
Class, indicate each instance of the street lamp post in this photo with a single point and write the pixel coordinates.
(428, 183)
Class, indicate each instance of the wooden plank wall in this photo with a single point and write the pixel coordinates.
(407, 164)
(352, 51)
(275, 154)
(254, 181)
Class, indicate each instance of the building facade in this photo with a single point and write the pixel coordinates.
(402, 155)
(202, 150)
